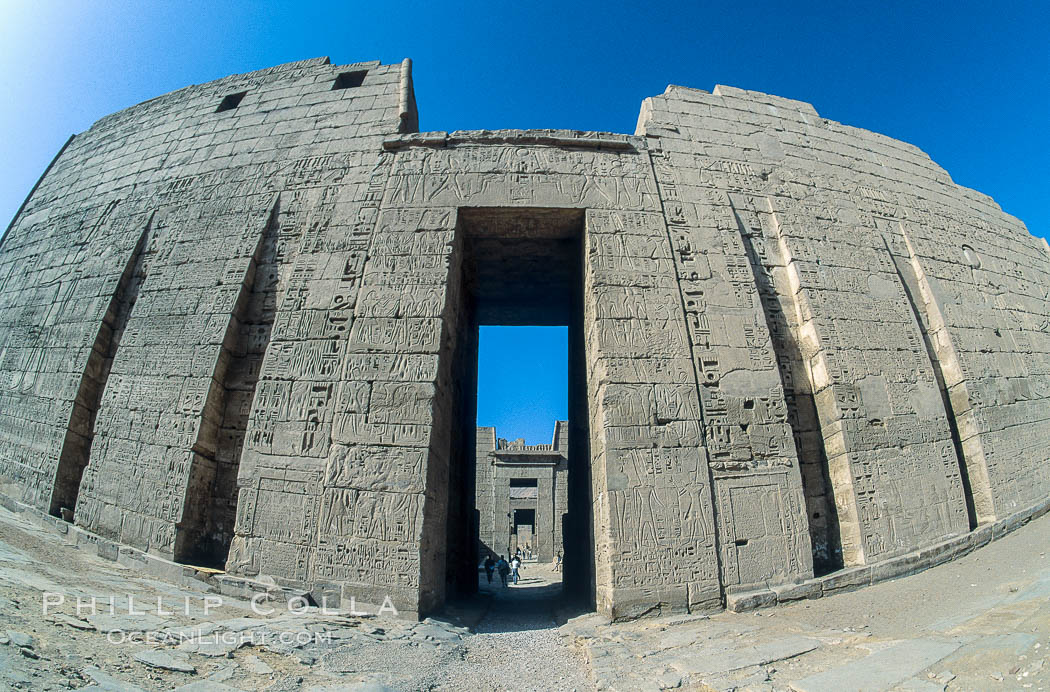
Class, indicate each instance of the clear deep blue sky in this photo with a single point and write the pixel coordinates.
(968, 82)
(522, 381)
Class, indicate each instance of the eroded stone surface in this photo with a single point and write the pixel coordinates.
(165, 660)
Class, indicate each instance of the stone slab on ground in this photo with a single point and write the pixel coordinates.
(166, 660)
(71, 621)
(879, 671)
(708, 661)
(919, 685)
(20, 638)
(106, 623)
(107, 682)
(207, 686)
(215, 648)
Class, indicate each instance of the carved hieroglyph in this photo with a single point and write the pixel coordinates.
(242, 335)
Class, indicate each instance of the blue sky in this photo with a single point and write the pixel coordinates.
(968, 82)
(522, 381)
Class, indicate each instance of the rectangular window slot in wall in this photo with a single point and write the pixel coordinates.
(230, 102)
(348, 80)
(523, 489)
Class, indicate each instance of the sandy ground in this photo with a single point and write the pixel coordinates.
(981, 622)
(517, 644)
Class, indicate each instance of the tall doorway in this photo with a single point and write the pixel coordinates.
(510, 490)
(522, 456)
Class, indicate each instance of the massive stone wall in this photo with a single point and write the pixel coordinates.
(236, 326)
(909, 314)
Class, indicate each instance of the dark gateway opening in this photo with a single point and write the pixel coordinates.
(520, 267)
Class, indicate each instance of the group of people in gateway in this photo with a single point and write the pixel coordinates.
(509, 571)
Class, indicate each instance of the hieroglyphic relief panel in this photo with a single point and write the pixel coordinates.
(762, 242)
(350, 386)
(48, 334)
(846, 292)
(987, 301)
(473, 174)
(954, 389)
(754, 520)
(103, 174)
(653, 498)
(875, 390)
(985, 272)
(402, 324)
(323, 239)
(741, 391)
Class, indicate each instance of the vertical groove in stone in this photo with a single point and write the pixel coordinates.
(599, 529)
(210, 511)
(798, 395)
(951, 381)
(847, 540)
(449, 544)
(76, 446)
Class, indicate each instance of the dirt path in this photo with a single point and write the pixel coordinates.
(517, 644)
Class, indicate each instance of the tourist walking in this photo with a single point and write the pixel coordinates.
(557, 562)
(503, 568)
(490, 565)
(515, 565)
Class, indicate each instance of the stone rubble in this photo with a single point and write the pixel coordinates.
(892, 636)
